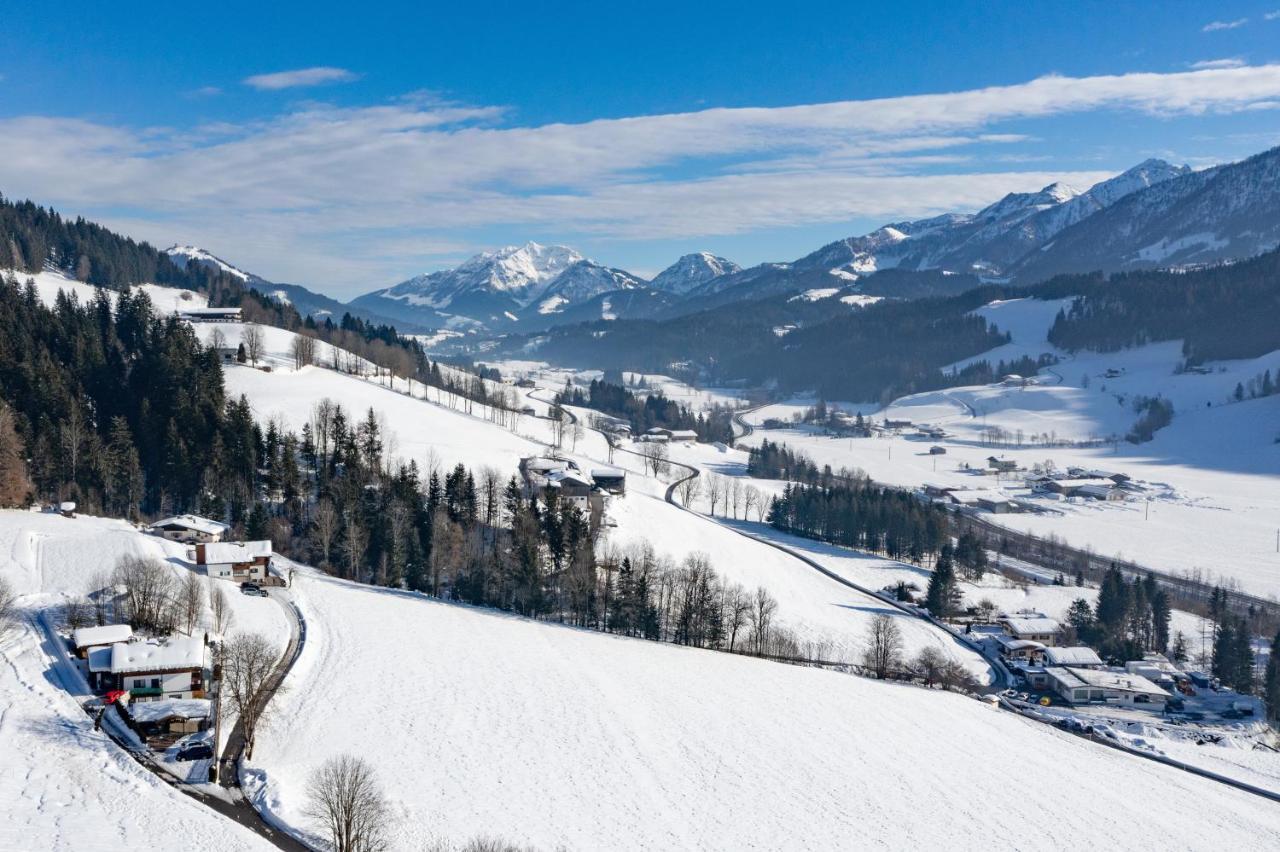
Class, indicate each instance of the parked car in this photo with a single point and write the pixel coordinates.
(199, 751)
(249, 588)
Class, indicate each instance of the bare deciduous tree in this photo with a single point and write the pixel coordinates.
(192, 599)
(303, 349)
(78, 613)
(253, 341)
(325, 520)
(101, 592)
(247, 662)
(8, 605)
(148, 592)
(929, 664)
(750, 499)
(655, 456)
(883, 653)
(763, 609)
(217, 340)
(715, 490)
(347, 801)
(738, 606)
(220, 607)
(689, 489)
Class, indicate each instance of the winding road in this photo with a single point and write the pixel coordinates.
(1003, 677)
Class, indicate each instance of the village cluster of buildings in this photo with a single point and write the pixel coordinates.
(1073, 484)
(1028, 642)
(161, 684)
(239, 561)
(662, 435)
(583, 489)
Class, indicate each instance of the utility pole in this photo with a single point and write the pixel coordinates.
(215, 767)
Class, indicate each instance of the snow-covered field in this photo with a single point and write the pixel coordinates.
(49, 283)
(65, 785)
(557, 737)
(1213, 476)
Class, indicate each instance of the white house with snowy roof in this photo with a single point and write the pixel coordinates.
(235, 560)
(189, 528)
(148, 669)
(1031, 625)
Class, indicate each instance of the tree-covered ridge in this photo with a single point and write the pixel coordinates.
(119, 408)
(876, 352)
(1219, 313)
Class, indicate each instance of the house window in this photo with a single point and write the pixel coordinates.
(155, 683)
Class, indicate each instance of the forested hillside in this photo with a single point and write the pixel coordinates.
(898, 347)
(118, 409)
(33, 238)
(1220, 312)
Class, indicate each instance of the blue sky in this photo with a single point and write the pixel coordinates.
(348, 149)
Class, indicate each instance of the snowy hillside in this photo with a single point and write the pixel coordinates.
(817, 610)
(1208, 496)
(49, 283)
(591, 741)
(65, 785)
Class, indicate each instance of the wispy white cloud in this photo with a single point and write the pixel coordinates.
(1228, 62)
(1271, 16)
(1216, 26)
(351, 197)
(300, 77)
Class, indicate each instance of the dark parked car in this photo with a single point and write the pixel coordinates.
(199, 751)
(249, 588)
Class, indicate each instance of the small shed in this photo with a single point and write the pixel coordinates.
(610, 479)
(189, 528)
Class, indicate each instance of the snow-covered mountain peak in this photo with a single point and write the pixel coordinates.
(516, 268)
(692, 270)
(182, 255)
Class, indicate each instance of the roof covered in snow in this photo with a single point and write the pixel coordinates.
(169, 708)
(979, 495)
(172, 654)
(1077, 656)
(1035, 624)
(1104, 679)
(105, 635)
(192, 522)
(235, 551)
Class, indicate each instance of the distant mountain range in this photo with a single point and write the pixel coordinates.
(1153, 215)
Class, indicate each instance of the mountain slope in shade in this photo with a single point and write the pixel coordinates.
(1223, 213)
(692, 271)
(495, 289)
